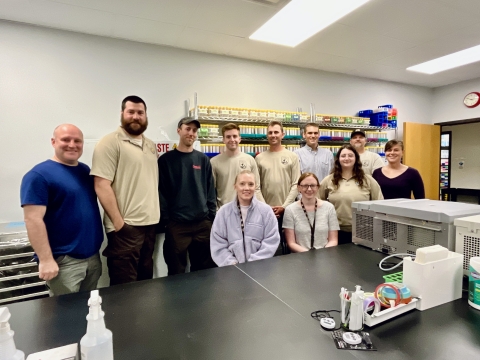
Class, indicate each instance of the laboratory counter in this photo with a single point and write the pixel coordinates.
(257, 310)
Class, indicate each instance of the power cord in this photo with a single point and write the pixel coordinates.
(395, 266)
(321, 314)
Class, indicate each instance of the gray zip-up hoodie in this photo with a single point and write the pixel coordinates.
(261, 234)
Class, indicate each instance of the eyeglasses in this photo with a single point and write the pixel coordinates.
(305, 187)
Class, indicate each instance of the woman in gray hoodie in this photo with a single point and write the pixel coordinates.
(244, 229)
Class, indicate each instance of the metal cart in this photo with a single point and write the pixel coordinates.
(18, 269)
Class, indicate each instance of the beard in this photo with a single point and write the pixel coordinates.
(357, 145)
(127, 126)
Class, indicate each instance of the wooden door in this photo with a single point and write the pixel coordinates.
(422, 152)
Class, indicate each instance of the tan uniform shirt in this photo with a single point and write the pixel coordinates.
(348, 192)
(279, 172)
(225, 169)
(371, 161)
(133, 171)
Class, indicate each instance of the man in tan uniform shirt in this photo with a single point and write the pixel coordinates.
(126, 183)
(279, 171)
(370, 160)
(228, 165)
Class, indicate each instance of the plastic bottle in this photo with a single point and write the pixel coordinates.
(474, 283)
(356, 310)
(8, 351)
(97, 343)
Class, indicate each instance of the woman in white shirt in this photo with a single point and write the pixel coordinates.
(310, 223)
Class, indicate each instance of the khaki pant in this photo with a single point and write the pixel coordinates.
(75, 275)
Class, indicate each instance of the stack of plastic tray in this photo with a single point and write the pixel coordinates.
(18, 270)
(379, 119)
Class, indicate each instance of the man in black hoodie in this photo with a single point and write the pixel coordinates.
(187, 202)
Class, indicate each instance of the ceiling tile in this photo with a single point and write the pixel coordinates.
(378, 16)
(231, 17)
(342, 40)
(456, 41)
(467, 6)
(57, 15)
(169, 11)
(430, 21)
(148, 31)
(207, 41)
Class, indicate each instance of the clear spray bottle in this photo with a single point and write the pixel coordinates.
(97, 343)
(8, 351)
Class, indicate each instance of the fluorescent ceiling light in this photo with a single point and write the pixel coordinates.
(301, 19)
(450, 61)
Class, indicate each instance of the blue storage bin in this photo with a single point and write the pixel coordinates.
(365, 113)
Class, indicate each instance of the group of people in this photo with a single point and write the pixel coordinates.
(231, 209)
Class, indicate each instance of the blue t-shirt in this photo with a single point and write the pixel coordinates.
(72, 218)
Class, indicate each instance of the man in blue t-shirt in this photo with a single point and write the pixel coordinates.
(62, 216)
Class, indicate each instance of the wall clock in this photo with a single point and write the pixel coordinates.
(472, 99)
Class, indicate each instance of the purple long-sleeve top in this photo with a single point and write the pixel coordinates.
(402, 186)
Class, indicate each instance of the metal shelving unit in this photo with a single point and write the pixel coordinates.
(18, 270)
(300, 124)
(222, 120)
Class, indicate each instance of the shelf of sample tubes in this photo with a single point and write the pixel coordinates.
(264, 116)
(211, 132)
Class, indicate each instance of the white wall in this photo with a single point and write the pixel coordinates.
(448, 102)
(465, 147)
(50, 76)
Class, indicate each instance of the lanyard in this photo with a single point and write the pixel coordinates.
(243, 229)
(312, 227)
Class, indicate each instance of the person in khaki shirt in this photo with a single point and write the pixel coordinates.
(370, 160)
(228, 165)
(347, 184)
(126, 182)
(279, 171)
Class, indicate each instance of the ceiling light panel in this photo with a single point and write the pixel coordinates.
(447, 62)
(301, 19)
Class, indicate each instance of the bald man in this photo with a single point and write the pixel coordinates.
(62, 216)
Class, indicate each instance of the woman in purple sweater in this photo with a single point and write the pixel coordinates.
(395, 179)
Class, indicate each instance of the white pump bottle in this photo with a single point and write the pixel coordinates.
(8, 351)
(97, 343)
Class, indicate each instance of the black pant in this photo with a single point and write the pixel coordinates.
(130, 254)
(344, 237)
(283, 248)
(192, 237)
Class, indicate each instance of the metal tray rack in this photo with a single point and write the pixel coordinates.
(18, 269)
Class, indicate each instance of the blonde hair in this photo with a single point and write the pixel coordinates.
(244, 172)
